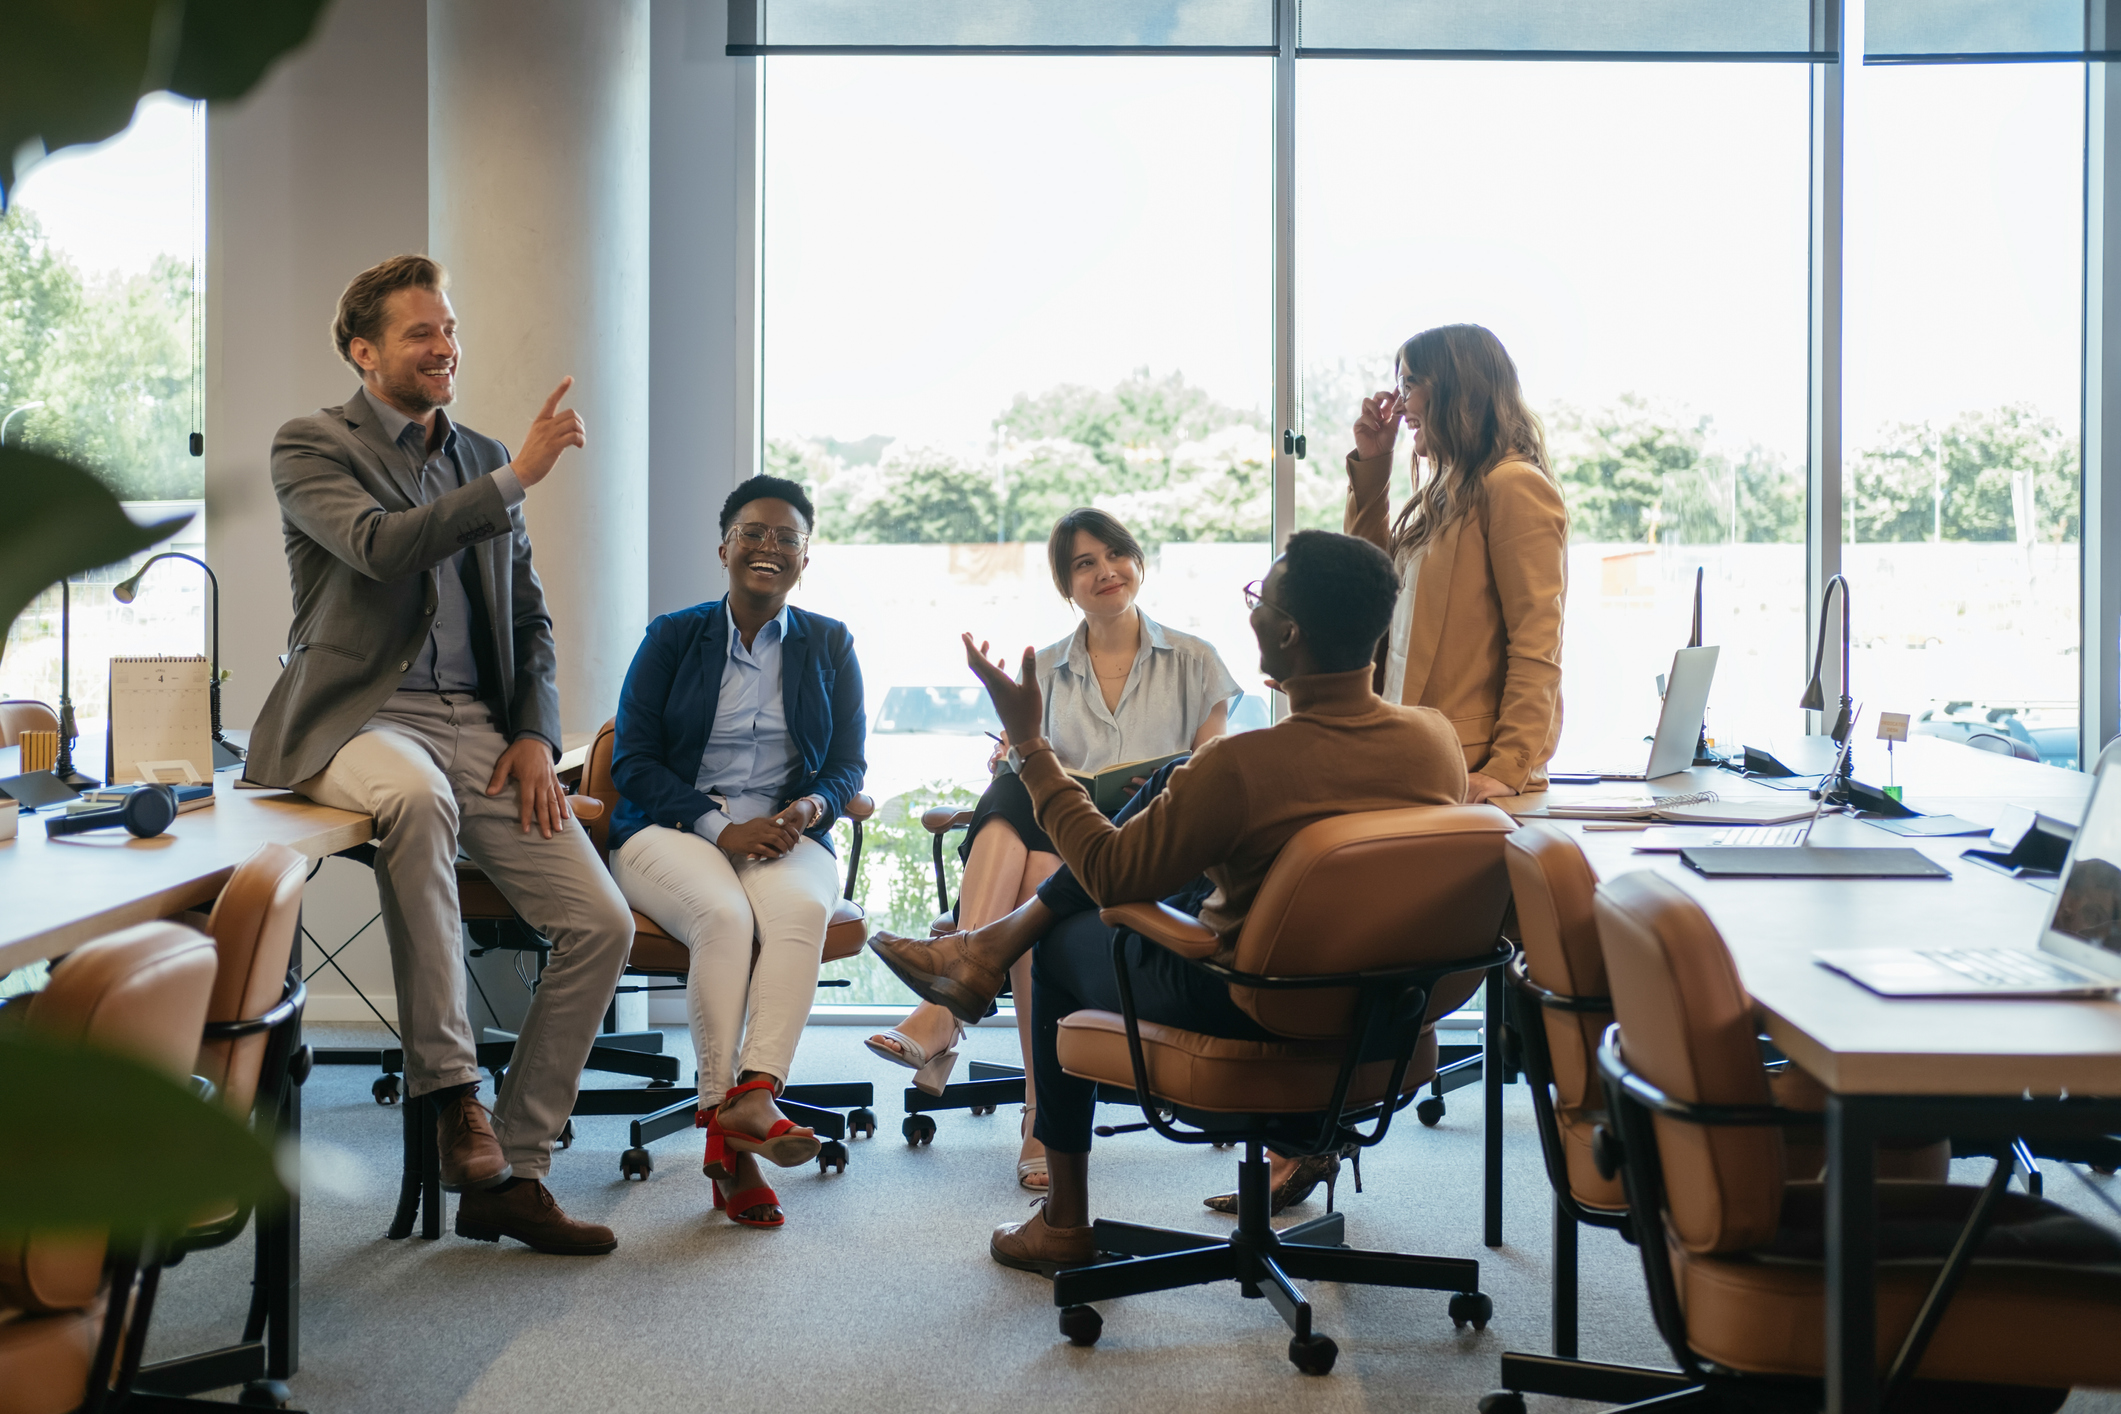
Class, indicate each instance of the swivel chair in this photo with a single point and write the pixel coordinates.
(24, 714)
(142, 991)
(1354, 976)
(1987, 1299)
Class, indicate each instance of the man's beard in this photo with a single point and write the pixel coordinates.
(411, 395)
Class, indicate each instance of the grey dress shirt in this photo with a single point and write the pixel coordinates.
(1174, 686)
(446, 662)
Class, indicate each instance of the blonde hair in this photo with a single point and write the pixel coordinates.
(1476, 421)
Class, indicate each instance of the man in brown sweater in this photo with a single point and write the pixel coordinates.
(1220, 819)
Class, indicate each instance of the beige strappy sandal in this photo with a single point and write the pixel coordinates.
(1028, 1169)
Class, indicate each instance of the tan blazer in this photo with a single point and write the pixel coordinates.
(1484, 646)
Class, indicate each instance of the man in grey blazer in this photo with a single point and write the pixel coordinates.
(419, 689)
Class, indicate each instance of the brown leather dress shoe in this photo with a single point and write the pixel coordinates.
(471, 1156)
(1032, 1246)
(942, 970)
(529, 1213)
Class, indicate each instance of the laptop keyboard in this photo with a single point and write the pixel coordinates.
(2004, 967)
(1758, 835)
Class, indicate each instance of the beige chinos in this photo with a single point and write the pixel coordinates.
(420, 768)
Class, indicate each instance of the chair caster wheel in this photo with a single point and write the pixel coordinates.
(983, 1109)
(1081, 1324)
(264, 1394)
(862, 1122)
(636, 1163)
(1314, 1355)
(918, 1129)
(1226, 1144)
(385, 1090)
(831, 1155)
(1429, 1111)
(1502, 1401)
(565, 1138)
(662, 1085)
(2103, 1170)
(1473, 1307)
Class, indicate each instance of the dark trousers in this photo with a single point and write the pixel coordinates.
(1072, 970)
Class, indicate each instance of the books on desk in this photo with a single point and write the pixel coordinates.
(189, 797)
(1701, 808)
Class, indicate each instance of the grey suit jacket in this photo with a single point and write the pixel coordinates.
(365, 557)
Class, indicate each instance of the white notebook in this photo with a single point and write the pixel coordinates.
(159, 715)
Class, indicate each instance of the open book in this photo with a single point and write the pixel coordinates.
(1113, 787)
(1701, 808)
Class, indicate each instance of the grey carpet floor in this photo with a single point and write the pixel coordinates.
(879, 1296)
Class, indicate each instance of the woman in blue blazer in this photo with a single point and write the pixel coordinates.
(740, 736)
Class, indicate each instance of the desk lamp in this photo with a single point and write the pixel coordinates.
(225, 752)
(1836, 781)
(63, 768)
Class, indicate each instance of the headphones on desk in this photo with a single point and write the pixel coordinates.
(146, 813)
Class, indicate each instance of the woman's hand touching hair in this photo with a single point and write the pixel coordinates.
(1377, 429)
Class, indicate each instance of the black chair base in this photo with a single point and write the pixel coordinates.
(1579, 1379)
(1263, 1262)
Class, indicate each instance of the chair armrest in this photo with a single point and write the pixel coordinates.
(586, 807)
(939, 818)
(859, 806)
(1165, 926)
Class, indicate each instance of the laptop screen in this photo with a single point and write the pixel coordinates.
(2085, 925)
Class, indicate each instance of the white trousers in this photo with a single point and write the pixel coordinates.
(744, 1016)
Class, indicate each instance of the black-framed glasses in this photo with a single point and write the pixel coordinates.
(1255, 595)
(753, 536)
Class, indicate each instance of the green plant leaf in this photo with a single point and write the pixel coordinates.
(71, 70)
(96, 1139)
(229, 44)
(59, 520)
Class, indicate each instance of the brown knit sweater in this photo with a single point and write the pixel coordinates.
(1228, 811)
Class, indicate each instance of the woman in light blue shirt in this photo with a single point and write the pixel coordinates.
(1121, 688)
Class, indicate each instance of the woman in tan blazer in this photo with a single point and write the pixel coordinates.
(1482, 550)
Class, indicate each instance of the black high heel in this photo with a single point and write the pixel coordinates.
(1310, 1171)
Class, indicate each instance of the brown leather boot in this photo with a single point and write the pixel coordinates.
(1034, 1247)
(943, 970)
(529, 1213)
(471, 1156)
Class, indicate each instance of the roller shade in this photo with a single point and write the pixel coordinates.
(1002, 27)
(1987, 31)
(1749, 30)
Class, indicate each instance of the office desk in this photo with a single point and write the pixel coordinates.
(56, 894)
(1898, 1067)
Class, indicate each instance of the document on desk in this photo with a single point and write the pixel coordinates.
(1702, 808)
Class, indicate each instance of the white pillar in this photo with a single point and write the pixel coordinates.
(537, 152)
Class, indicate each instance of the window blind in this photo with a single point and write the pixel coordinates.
(1002, 27)
(1568, 29)
(1986, 31)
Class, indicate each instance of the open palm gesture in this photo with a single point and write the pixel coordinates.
(1018, 703)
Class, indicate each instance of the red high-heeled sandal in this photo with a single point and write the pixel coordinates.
(716, 1164)
(743, 1201)
(785, 1145)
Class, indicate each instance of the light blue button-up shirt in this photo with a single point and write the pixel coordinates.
(749, 755)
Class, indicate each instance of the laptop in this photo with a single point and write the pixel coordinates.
(2079, 953)
(1686, 699)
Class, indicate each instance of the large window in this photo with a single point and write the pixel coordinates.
(997, 288)
(1962, 484)
(1635, 235)
(100, 362)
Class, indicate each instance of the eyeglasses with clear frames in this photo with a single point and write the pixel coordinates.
(1255, 596)
(753, 536)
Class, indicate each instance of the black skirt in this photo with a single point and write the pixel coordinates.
(1006, 797)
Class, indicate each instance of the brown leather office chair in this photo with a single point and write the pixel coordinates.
(1367, 929)
(1560, 1011)
(142, 991)
(1733, 1250)
(24, 714)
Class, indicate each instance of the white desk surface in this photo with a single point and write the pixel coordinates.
(56, 894)
(1853, 1040)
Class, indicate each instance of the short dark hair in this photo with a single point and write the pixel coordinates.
(361, 304)
(1104, 527)
(769, 488)
(1340, 591)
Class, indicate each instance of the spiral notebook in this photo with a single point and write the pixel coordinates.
(161, 726)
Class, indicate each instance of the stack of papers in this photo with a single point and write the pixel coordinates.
(1703, 808)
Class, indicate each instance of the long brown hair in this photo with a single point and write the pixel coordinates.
(1477, 420)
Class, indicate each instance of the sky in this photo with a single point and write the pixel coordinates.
(119, 204)
(943, 233)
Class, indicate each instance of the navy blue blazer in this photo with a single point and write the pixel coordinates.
(673, 689)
